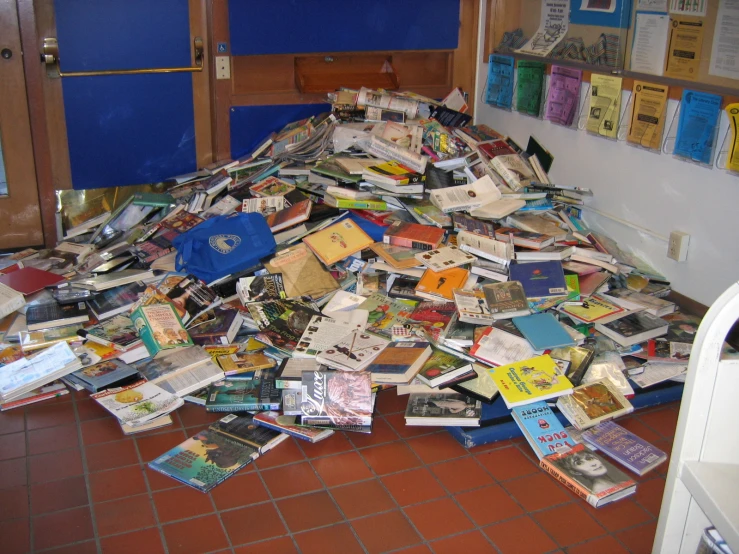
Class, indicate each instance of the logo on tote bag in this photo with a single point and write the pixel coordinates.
(224, 243)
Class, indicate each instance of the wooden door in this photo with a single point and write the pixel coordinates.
(20, 215)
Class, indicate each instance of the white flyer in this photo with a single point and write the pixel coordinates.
(725, 49)
(651, 6)
(650, 43)
(555, 15)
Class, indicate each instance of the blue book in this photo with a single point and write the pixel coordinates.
(539, 279)
(541, 428)
(543, 331)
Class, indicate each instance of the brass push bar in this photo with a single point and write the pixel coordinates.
(50, 57)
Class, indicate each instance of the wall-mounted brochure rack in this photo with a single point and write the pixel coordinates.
(558, 103)
(531, 88)
(645, 137)
(722, 158)
(501, 82)
(700, 150)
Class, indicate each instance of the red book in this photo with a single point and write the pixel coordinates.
(413, 235)
(28, 280)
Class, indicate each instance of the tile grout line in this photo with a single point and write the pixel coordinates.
(274, 505)
(85, 472)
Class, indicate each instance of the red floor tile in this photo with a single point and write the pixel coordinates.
(438, 518)
(413, 486)
(123, 515)
(506, 463)
(362, 499)
(468, 542)
(619, 515)
(134, 542)
(381, 433)
(636, 426)
(111, 455)
(287, 452)
(86, 547)
(88, 409)
(420, 549)
(192, 415)
(12, 421)
(101, 430)
(58, 495)
(437, 448)
(181, 503)
(388, 402)
(13, 473)
(55, 466)
(649, 494)
(254, 523)
(12, 446)
(538, 491)
(488, 505)
(117, 483)
(290, 480)
(663, 421)
(243, 489)
(309, 511)
(342, 469)
(337, 538)
(389, 458)
(397, 422)
(49, 415)
(153, 446)
(16, 536)
(53, 439)
(158, 481)
(60, 528)
(383, 532)
(638, 540)
(569, 524)
(194, 536)
(520, 536)
(283, 545)
(13, 503)
(335, 444)
(602, 545)
(461, 475)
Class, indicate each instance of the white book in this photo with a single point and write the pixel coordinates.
(354, 352)
(446, 257)
(10, 300)
(472, 307)
(465, 197)
(485, 247)
(138, 403)
(499, 348)
(264, 205)
(24, 375)
(323, 332)
(225, 205)
(388, 150)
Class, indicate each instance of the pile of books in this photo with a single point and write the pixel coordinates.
(414, 252)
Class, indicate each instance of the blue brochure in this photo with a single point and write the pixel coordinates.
(696, 129)
(499, 90)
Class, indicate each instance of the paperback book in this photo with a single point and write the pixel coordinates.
(242, 395)
(399, 362)
(529, 381)
(542, 429)
(592, 403)
(137, 403)
(160, 329)
(286, 424)
(625, 447)
(455, 410)
(442, 367)
(337, 399)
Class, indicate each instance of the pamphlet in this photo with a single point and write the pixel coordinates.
(650, 43)
(696, 129)
(564, 94)
(725, 48)
(555, 16)
(684, 51)
(648, 115)
(499, 90)
(605, 105)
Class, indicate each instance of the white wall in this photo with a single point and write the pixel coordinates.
(654, 191)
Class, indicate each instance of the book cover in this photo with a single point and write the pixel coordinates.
(529, 381)
(634, 328)
(543, 331)
(481, 388)
(104, 374)
(190, 296)
(526, 239)
(271, 186)
(353, 352)
(264, 205)
(302, 273)
(393, 172)
(244, 429)
(625, 447)
(28, 280)
(384, 312)
(588, 475)
(433, 317)
(288, 320)
(593, 403)
(182, 221)
(579, 357)
(540, 278)
(541, 428)
(241, 395)
(499, 347)
(289, 217)
(261, 288)
(400, 257)
(118, 331)
(286, 424)
(443, 258)
(137, 403)
(160, 328)
(441, 284)
(323, 332)
(53, 314)
(399, 362)
(442, 367)
(338, 241)
(221, 329)
(413, 235)
(443, 409)
(240, 363)
(337, 399)
(290, 372)
(116, 300)
(505, 298)
(592, 310)
(205, 460)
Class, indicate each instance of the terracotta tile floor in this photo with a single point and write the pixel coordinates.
(71, 482)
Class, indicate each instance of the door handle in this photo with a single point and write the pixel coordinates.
(50, 57)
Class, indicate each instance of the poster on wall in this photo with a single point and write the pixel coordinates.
(607, 6)
(725, 50)
(689, 7)
(555, 16)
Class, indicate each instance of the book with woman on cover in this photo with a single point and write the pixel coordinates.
(337, 399)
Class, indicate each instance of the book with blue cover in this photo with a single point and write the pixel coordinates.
(625, 447)
(540, 278)
(543, 331)
(542, 428)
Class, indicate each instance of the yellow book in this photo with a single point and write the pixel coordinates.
(338, 241)
(732, 158)
(529, 381)
(592, 309)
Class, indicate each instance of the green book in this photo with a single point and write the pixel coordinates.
(241, 395)
(156, 199)
(530, 87)
(160, 329)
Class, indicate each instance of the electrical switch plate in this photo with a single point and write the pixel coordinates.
(223, 67)
(677, 248)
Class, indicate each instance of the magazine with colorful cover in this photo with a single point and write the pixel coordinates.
(337, 399)
(138, 403)
(205, 460)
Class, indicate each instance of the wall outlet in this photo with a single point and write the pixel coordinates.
(223, 67)
(677, 248)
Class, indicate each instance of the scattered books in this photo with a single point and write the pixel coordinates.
(442, 410)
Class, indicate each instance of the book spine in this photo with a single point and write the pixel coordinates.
(285, 384)
(567, 482)
(408, 243)
(346, 203)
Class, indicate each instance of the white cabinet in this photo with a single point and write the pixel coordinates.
(703, 480)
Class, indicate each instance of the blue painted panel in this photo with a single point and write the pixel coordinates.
(131, 129)
(250, 125)
(620, 18)
(297, 26)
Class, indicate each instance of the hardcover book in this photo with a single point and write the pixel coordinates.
(399, 362)
(433, 409)
(543, 331)
(506, 299)
(337, 399)
(289, 217)
(529, 381)
(588, 475)
(593, 403)
(286, 424)
(540, 278)
(242, 395)
(160, 329)
(625, 447)
(542, 429)
(413, 235)
(338, 241)
(442, 367)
